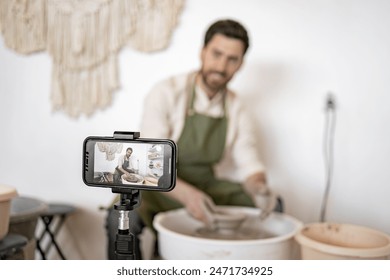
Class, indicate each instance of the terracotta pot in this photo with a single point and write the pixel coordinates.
(332, 241)
(6, 194)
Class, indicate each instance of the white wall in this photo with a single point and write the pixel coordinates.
(300, 50)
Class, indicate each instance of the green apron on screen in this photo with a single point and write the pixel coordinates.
(200, 147)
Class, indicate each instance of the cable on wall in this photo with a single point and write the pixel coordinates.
(328, 145)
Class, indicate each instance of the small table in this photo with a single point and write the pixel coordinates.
(53, 219)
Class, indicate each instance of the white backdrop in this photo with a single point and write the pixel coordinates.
(300, 50)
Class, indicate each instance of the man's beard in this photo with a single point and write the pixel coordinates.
(213, 86)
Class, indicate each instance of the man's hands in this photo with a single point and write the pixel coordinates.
(256, 184)
(261, 195)
(196, 202)
(199, 205)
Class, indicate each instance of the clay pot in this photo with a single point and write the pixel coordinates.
(333, 241)
(6, 194)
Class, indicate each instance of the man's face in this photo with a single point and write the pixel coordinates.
(221, 58)
(128, 153)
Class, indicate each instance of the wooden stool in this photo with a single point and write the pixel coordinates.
(53, 219)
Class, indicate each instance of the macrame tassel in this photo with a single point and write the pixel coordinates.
(155, 21)
(23, 25)
(57, 98)
(85, 33)
(84, 39)
(82, 92)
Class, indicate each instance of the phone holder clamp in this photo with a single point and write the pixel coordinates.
(126, 135)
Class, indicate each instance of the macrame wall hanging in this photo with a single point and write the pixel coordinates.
(83, 37)
(23, 25)
(110, 149)
(155, 23)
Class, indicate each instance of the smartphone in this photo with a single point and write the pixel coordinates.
(144, 164)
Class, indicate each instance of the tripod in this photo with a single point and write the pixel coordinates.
(124, 242)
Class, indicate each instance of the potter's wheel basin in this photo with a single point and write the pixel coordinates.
(179, 239)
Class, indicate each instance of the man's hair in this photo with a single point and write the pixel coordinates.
(129, 148)
(229, 28)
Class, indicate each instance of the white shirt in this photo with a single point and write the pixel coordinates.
(165, 109)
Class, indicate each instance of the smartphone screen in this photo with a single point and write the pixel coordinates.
(148, 164)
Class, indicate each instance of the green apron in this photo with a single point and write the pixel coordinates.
(200, 147)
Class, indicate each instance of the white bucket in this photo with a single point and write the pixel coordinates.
(332, 241)
(6, 194)
(177, 241)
